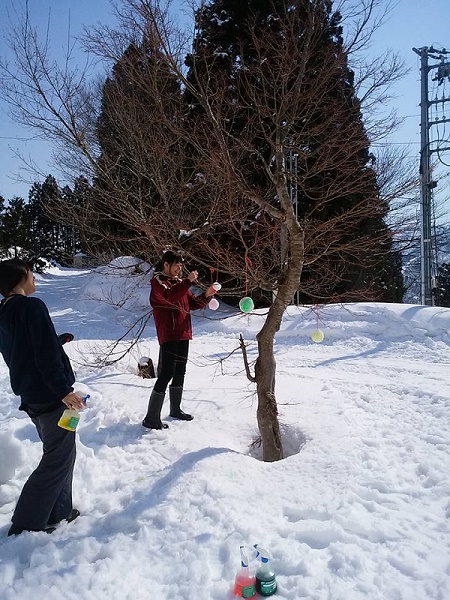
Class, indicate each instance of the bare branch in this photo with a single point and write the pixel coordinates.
(243, 348)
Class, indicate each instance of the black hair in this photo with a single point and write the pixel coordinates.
(12, 272)
(171, 257)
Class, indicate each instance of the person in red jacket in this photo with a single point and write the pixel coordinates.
(172, 301)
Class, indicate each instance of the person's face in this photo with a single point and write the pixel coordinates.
(173, 270)
(29, 286)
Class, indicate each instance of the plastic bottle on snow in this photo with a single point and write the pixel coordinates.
(266, 583)
(245, 581)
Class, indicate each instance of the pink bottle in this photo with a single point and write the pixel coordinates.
(245, 581)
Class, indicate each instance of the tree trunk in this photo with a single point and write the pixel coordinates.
(267, 412)
(265, 368)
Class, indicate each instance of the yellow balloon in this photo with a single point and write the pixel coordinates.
(317, 336)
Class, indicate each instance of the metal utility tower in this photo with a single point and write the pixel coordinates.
(427, 184)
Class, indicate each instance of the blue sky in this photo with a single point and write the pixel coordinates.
(412, 23)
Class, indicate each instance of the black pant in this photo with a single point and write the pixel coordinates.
(46, 497)
(171, 364)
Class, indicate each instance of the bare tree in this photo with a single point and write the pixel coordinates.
(224, 182)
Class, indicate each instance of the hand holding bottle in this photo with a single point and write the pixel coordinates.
(70, 417)
(74, 401)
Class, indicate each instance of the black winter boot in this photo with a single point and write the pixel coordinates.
(175, 394)
(153, 417)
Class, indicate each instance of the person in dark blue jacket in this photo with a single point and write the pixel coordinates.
(41, 374)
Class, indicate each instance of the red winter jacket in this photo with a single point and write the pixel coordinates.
(172, 301)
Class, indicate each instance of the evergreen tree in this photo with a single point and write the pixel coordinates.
(70, 242)
(28, 231)
(443, 298)
(50, 235)
(44, 235)
(14, 227)
(136, 100)
(70, 209)
(233, 38)
(2, 209)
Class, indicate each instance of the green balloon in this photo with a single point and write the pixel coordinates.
(246, 304)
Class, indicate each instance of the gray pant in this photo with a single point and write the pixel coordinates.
(46, 497)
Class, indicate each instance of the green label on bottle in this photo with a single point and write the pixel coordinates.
(73, 422)
(248, 591)
(267, 588)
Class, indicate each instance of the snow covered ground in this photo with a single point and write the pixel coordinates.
(359, 508)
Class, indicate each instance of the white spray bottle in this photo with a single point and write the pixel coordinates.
(266, 583)
(70, 417)
(244, 583)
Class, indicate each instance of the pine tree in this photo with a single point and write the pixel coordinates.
(137, 100)
(56, 215)
(443, 298)
(15, 226)
(28, 231)
(236, 50)
(2, 209)
(44, 234)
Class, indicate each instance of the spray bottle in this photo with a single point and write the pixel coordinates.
(266, 584)
(244, 583)
(70, 417)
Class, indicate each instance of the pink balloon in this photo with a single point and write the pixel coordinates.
(213, 304)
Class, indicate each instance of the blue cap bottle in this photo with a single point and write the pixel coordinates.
(266, 583)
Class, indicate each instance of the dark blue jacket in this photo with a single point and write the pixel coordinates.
(39, 369)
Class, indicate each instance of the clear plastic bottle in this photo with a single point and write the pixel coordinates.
(70, 417)
(245, 581)
(266, 583)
